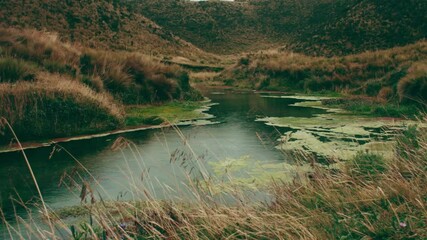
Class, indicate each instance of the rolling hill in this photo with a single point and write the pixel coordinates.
(174, 28)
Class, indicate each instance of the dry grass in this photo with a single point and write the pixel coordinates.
(46, 69)
(372, 200)
(366, 73)
(57, 106)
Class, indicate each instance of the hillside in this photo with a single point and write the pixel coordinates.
(397, 73)
(97, 24)
(63, 89)
(315, 27)
(174, 28)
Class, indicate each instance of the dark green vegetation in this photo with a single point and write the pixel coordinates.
(374, 107)
(330, 28)
(320, 27)
(61, 89)
(91, 75)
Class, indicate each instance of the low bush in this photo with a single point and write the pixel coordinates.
(13, 70)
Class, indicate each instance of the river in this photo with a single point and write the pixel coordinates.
(234, 135)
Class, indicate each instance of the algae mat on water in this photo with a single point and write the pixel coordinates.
(337, 134)
(180, 113)
(245, 172)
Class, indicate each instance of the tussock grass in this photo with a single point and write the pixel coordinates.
(55, 106)
(100, 25)
(46, 81)
(396, 74)
(369, 198)
(12, 70)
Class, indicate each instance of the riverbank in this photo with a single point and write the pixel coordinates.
(138, 118)
(50, 89)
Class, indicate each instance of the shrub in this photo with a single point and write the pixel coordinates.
(86, 64)
(57, 67)
(13, 70)
(373, 88)
(414, 89)
(184, 82)
(244, 61)
(385, 94)
(94, 82)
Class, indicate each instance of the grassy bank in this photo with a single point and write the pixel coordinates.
(370, 197)
(62, 89)
(394, 77)
(365, 106)
(397, 73)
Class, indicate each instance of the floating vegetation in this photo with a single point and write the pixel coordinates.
(246, 172)
(336, 135)
(180, 113)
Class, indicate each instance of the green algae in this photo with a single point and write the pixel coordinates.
(173, 112)
(337, 134)
(247, 173)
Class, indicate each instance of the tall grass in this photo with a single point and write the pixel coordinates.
(393, 74)
(55, 107)
(130, 77)
(64, 89)
(370, 198)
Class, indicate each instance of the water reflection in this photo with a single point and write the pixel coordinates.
(237, 135)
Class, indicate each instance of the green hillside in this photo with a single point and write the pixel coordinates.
(171, 27)
(319, 27)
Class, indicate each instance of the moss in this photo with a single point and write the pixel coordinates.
(245, 172)
(172, 112)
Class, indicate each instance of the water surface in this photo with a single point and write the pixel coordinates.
(236, 136)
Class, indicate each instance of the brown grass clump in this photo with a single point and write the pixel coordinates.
(48, 72)
(414, 85)
(55, 106)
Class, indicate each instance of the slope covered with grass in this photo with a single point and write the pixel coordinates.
(62, 89)
(315, 27)
(97, 24)
(170, 27)
(397, 74)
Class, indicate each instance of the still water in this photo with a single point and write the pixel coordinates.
(235, 135)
